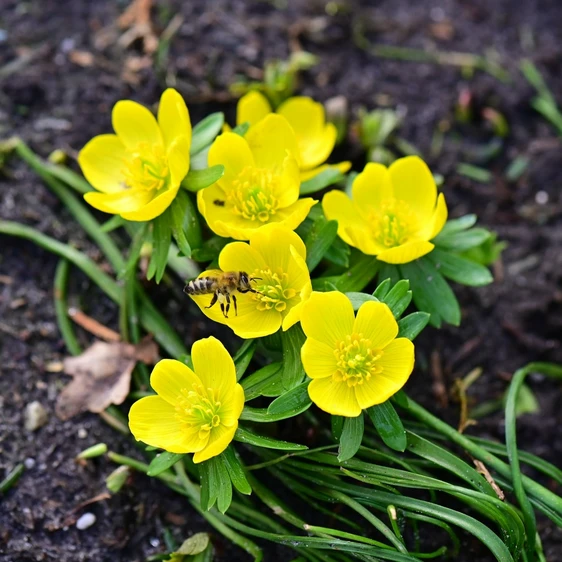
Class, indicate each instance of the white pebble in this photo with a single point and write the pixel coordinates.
(541, 197)
(35, 416)
(154, 542)
(29, 463)
(87, 520)
(82, 433)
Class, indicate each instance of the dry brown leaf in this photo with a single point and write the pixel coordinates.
(102, 376)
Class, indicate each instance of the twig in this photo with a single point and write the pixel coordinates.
(93, 326)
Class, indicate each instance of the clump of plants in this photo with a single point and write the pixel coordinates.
(325, 276)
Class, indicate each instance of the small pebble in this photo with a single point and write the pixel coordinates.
(29, 463)
(541, 197)
(35, 416)
(82, 433)
(154, 542)
(85, 521)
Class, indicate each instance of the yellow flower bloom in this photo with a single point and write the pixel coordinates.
(315, 137)
(193, 412)
(275, 257)
(260, 184)
(354, 362)
(138, 170)
(393, 213)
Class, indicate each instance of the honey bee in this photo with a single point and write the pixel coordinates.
(223, 284)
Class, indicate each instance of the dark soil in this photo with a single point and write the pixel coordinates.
(61, 71)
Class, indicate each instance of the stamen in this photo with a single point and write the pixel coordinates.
(147, 169)
(356, 360)
(394, 223)
(252, 195)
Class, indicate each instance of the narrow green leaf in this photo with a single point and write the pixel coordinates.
(295, 400)
(319, 239)
(207, 499)
(398, 298)
(359, 275)
(337, 427)
(245, 436)
(410, 326)
(456, 225)
(475, 173)
(267, 381)
(161, 240)
(357, 299)
(431, 292)
(461, 270)
(463, 240)
(351, 437)
(210, 249)
(178, 210)
(243, 357)
(293, 371)
(139, 238)
(200, 179)
(195, 544)
(388, 425)
(382, 289)
(116, 221)
(163, 462)
(389, 271)
(324, 179)
(525, 403)
(224, 485)
(236, 471)
(338, 253)
(241, 129)
(205, 131)
(261, 415)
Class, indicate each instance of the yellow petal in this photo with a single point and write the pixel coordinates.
(335, 398)
(397, 364)
(178, 160)
(273, 242)
(232, 406)
(213, 365)
(297, 270)
(294, 214)
(239, 256)
(173, 118)
(339, 207)
(271, 140)
(252, 108)
(413, 183)
(361, 238)
(219, 440)
(372, 187)
(287, 189)
(375, 322)
(407, 252)
(257, 324)
(120, 202)
(232, 151)
(153, 208)
(318, 359)
(315, 137)
(439, 216)
(169, 377)
(342, 167)
(327, 317)
(102, 161)
(135, 124)
(153, 421)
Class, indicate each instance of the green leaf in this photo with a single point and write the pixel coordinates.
(292, 402)
(382, 289)
(389, 271)
(526, 402)
(161, 240)
(338, 253)
(388, 425)
(116, 221)
(357, 299)
(319, 239)
(320, 181)
(358, 276)
(461, 241)
(337, 427)
(236, 471)
(351, 437)
(243, 357)
(461, 270)
(456, 225)
(195, 544)
(431, 292)
(163, 462)
(293, 371)
(178, 210)
(241, 129)
(210, 249)
(215, 484)
(261, 415)
(200, 179)
(398, 298)
(267, 381)
(410, 326)
(205, 131)
(139, 238)
(224, 498)
(245, 436)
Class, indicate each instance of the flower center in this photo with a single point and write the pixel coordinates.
(199, 408)
(274, 290)
(147, 169)
(393, 224)
(252, 194)
(356, 360)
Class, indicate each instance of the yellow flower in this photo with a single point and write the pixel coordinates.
(260, 184)
(354, 362)
(138, 170)
(393, 213)
(315, 137)
(275, 258)
(193, 412)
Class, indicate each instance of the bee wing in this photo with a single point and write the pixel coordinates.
(210, 273)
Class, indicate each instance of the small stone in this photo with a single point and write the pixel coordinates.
(82, 433)
(29, 463)
(541, 197)
(35, 416)
(85, 521)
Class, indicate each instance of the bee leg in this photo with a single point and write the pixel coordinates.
(235, 305)
(213, 301)
(227, 305)
(223, 312)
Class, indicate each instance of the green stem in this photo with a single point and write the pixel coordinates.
(12, 477)
(61, 309)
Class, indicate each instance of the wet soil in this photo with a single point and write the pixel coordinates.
(62, 69)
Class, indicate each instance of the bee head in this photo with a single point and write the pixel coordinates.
(245, 280)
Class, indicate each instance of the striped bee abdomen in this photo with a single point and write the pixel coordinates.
(201, 286)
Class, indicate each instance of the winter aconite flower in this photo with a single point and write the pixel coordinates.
(274, 260)
(315, 137)
(138, 170)
(393, 212)
(354, 362)
(260, 184)
(194, 411)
